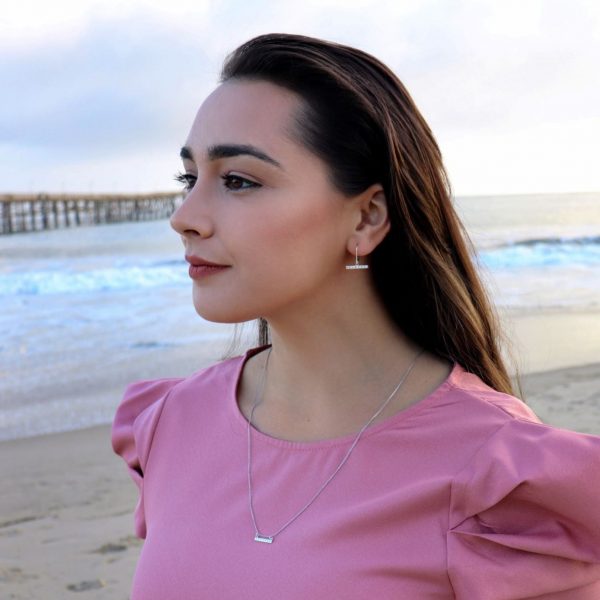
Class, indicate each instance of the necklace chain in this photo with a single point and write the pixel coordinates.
(259, 537)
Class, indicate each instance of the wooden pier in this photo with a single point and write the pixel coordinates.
(39, 212)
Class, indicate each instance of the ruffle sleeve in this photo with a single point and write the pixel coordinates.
(132, 431)
(525, 517)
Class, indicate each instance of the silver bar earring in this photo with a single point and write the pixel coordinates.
(357, 265)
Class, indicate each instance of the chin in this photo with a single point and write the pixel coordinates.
(221, 313)
(245, 303)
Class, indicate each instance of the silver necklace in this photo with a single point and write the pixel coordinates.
(268, 539)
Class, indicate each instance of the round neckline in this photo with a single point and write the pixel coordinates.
(258, 435)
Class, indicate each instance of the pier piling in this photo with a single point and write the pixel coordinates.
(39, 212)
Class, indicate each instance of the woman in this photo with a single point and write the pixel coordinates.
(370, 445)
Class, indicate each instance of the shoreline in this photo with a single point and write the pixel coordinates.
(541, 341)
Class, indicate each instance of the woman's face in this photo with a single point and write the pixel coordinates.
(275, 220)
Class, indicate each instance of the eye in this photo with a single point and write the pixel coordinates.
(236, 183)
(187, 179)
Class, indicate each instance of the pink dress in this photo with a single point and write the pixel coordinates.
(465, 494)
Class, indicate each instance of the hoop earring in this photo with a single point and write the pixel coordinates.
(357, 265)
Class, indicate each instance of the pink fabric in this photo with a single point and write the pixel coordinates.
(463, 495)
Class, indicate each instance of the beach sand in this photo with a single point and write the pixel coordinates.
(66, 506)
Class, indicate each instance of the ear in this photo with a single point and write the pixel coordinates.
(372, 220)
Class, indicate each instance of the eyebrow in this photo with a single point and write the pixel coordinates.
(229, 150)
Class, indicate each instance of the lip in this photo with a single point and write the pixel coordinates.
(198, 261)
(202, 271)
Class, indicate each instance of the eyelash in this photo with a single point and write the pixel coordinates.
(186, 177)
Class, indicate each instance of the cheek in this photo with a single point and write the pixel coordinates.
(298, 244)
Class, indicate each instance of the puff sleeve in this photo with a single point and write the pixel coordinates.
(525, 517)
(132, 431)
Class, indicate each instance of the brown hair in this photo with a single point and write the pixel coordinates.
(360, 120)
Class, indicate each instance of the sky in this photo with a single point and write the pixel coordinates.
(99, 95)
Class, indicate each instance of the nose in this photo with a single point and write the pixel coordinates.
(190, 218)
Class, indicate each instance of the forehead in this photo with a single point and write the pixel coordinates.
(245, 111)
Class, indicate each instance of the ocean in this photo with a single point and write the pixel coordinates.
(77, 301)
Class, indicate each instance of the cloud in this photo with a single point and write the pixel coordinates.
(30, 24)
(114, 88)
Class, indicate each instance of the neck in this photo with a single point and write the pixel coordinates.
(334, 366)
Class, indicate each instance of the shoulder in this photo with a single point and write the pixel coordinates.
(144, 394)
(463, 413)
(480, 399)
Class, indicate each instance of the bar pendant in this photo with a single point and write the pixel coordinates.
(357, 266)
(265, 539)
